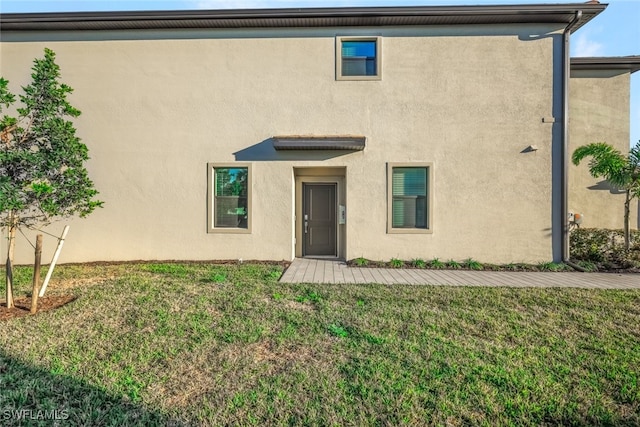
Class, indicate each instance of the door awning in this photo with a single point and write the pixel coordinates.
(340, 142)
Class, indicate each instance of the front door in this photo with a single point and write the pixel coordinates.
(319, 219)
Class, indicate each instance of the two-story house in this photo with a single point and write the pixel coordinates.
(406, 132)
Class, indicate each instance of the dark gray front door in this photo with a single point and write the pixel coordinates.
(319, 219)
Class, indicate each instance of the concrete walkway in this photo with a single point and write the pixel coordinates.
(304, 270)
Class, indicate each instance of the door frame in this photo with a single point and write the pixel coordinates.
(315, 175)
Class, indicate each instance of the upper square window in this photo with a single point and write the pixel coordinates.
(358, 58)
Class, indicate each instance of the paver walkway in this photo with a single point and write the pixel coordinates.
(305, 270)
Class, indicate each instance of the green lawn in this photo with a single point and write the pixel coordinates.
(174, 344)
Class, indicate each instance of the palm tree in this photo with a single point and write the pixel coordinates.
(621, 171)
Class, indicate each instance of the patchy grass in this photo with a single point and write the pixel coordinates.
(185, 344)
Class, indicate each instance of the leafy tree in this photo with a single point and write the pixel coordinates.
(42, 173)
(620, 170)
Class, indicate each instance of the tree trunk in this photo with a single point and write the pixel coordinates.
(9, 264)
(36, 275)
(627, 232)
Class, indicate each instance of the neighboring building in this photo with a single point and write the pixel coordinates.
(599, 112)
(406, 132)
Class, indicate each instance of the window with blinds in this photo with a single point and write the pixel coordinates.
(229, 198)
(409, 187)
(409, 198)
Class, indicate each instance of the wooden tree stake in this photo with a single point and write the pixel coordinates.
(9, 281)
(54, 260)
(36, 275)
(9, 266)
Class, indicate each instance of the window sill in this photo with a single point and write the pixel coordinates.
(358, 78)
(409, 231)
(229, 230)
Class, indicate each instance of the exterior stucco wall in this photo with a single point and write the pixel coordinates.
(599, 112)
(157, 107)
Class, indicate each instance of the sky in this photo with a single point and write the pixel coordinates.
(615, 32)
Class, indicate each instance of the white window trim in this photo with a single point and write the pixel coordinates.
(340, 39)
(211, 198)
(430, 186)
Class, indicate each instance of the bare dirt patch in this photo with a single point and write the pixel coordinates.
(23, 305)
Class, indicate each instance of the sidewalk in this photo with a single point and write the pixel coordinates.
(304, 270)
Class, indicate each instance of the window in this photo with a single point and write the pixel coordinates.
(409, 197)
(358, 58)
(229, 198)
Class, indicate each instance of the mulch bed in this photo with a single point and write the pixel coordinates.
(23, 305)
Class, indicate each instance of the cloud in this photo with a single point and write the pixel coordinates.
(582, 46)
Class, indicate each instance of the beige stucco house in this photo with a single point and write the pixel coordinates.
(406, 132)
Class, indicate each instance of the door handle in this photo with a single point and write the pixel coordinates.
(306, 227)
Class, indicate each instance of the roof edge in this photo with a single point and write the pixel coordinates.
(287, 17)
(630, 63)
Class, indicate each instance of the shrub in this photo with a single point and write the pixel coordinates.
(472, 264)
(588, 265)
(551, 266)
(436, 263)
(396, 263)
(361, 262)
(604, 248)
(453, 264)
(418, 263)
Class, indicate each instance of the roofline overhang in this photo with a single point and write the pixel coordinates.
(628, 63)
(302, 17)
